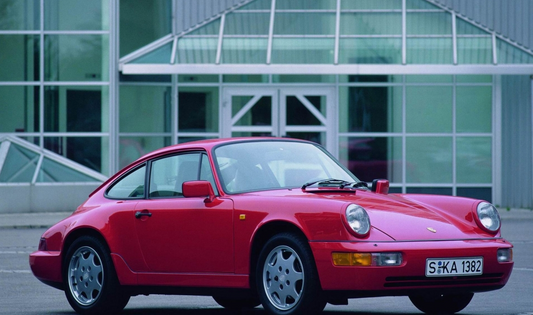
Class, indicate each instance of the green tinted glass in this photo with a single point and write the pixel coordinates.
(244, 50)
(132, 148)
(144, 108)
(247, 24)
(371, 24)
(159, 55)
(20, 108)
(302, 50)
(371, 4)
(19, 15)
(305, 4)
(474, 109)
(76, 15)
(196, 50)
(19, 57)
(304, 24)
(429, 109)
(52, 172)
(474, 160)
(19, 165)
(370, 50)
(429, 23)
(429, 159)
(508, 54)
(198, 109)
(429, 50)
(476, 50)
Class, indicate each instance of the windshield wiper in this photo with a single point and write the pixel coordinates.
(335, 182)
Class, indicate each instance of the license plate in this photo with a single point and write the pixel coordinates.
(446, 267)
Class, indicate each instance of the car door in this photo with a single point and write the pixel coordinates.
(184, 235)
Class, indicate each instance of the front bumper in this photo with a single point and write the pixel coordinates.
(409, 277)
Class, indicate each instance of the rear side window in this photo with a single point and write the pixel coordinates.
(129, 186)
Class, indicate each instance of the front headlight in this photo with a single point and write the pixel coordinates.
(357, 220)
(488, 217)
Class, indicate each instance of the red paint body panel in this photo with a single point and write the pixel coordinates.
(194, 242)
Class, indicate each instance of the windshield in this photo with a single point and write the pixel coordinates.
(263, 165)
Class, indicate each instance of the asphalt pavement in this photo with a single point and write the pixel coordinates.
(39, 220)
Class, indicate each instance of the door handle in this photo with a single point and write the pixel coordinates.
(144, 213)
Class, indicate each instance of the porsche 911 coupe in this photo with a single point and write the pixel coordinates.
(272, 222)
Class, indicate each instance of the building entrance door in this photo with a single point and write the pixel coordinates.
(303, 113)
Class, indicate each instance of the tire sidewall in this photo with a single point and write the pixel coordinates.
(105, 303)
(310, 301)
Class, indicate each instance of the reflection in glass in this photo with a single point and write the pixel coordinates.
(474, 160)
(372, 5)
(20, 15)
(247, 24)
(70, 15)
(371, 23)
(372, 158)
(244, 50)
(19, 59)
(76, 58)
(370, 50)
(145, 108)
(302, 50)
(159, 55)
(474, 50)
(482, 193)
(429, 109)
(92, 152)
(299, 115)
(429, 23)
(429, 159)
(304, 24)
(132, 148)
(20, 108)
(196, 50)
(260, 114)
(429, 50)
(370, 109)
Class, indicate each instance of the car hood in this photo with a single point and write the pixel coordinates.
(403, 217)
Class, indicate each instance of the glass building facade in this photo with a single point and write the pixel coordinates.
(406, 90)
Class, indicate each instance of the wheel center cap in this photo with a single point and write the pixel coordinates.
(85, 276)
(282, 278)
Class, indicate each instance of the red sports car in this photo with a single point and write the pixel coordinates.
(277, 222)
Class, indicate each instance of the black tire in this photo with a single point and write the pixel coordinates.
(441, 303)
(286, 277)
(91, 283)
(236, 303)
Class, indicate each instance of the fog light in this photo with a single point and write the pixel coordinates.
(505, 255)
(367, 259)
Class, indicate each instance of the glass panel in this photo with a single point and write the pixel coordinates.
(370, 50)
(298, 115)
(317, 137)
(482, 193)
(429, 159)
(76, 58)
(305, 4)
(420, 4)
(508, 53)
(160, 55)
(276, 78)
(76, 15)
(130, 186)
(20, 108)
(244, 50)
(370, 158)
(304, 23)
(371, 24)
(429, 50)
(370, 78)
(197, 78)
(424, 23)
(474, 78)
(259, 115)
(20, 57)
(132, 148)
(168, 174)
(370, 109)
(474, 109)
(145, 108)
(142, 22)
(92, 152)
(244, 78)
(196, 50)
(474, 160)
(52, 171)
(429, 78)
(19, 165)
(430, 191)
(18, 15)
(371, 4)
(303, 50)
(198, 109)
(206, 173)
(247, 24)
(429, 108)
(466, 28)
(474, 50)
(144, 78)
(76, 108)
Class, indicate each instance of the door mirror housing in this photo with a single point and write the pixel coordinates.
(198, 188)
(380, 186)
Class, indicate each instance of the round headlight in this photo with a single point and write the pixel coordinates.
(488, 217)
(358, 219)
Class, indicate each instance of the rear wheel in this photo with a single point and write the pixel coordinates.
(441, 303)
(91, 284)
(286, 277)
(236, 303)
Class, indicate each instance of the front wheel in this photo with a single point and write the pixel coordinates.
(286, 277)
(91, 284)
(441, 303)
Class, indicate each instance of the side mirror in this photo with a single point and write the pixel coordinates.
(198, 188)
(380, 186)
